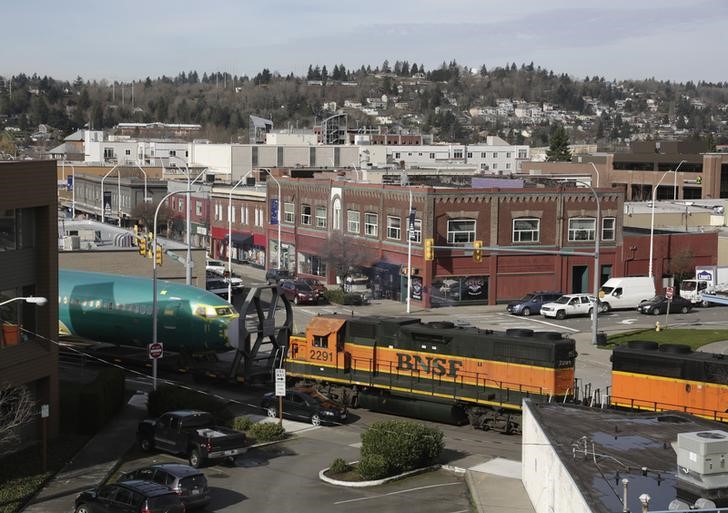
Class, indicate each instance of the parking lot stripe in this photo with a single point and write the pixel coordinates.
(546, 323)
(396, 493)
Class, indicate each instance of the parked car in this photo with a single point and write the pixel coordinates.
(299, 292)
(306, 404)
(236, 280)
(129, 497)
(316, 285)
(658, 305)
(532, 302)
(216, 266)
(569, 305)
(275, 275)
(190, 433)
(220, 287)
(188, 483)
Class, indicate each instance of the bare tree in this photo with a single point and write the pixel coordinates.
(143, 213)
(16, 409)
(682, 265)
(344, 254)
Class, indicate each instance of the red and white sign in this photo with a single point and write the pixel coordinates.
(156, 350)
(669, 292)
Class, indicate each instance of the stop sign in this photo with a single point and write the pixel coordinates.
(669, 292)
(156, 350)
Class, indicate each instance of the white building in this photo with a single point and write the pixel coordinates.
(101, 148)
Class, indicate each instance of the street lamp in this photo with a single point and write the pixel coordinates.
(102, 191)
(188, 268)
(652, 217)
(674, 185)
(596, 171)
(410, 227)
(597, 237)
(155, 306)
(230, 237)
(145, 181)
(33, 300)
(280, 200)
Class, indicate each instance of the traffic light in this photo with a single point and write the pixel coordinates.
(477, 251)
(158, 256)
(142, 245)
(136, 233)
(429, 250)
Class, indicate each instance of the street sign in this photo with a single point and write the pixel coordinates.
(156, 350)
(280, 382)
(669, 292)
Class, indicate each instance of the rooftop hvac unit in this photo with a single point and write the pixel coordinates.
(71, 243)
(702, 458)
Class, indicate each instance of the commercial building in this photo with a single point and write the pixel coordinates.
(29, 260)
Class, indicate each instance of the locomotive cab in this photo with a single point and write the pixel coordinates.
(323, 344)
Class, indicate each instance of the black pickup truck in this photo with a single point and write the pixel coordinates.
(190, 433)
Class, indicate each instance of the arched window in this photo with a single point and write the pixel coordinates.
(336, 215)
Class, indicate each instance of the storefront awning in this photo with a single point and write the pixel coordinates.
(260, 240)
(240, 239)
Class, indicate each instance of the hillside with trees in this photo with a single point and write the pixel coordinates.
(522, 104)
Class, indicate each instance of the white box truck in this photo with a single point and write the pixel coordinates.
(626, 292)
(709, 279)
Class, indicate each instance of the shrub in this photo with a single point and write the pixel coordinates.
(242, 423)
(169, 398)
(339, 466)
(404, 445)
(267, 432)
(374, 466)
(343, 298)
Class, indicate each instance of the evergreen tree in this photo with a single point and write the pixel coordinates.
(559, 146)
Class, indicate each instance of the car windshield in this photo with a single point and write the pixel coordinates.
(195, 421)
(688, 285)
(607, 290)
(563, 300)
(302, 285)
(527, 297)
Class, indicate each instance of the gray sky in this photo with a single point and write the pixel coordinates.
(671, 39)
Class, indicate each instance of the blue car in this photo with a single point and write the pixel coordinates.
(531, 302)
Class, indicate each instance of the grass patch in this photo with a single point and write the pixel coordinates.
(351, 475)
(692, 337)
(21, 473)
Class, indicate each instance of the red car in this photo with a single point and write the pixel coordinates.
(317, 286)
(299, 292)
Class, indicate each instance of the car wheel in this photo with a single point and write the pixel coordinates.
(705, 304)
(83, 508)
(195, 459)
(315, 419)
(684, 309)
(606, 307)
(656, 311)
(526, 312)
(590, 312)
(145, 444)
(272, 412)
(560, 315)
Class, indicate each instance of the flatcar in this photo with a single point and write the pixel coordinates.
(661, 377)
(434, 370)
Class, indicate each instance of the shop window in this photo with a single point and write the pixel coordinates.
(320, 217)
(608, 224)
(394, 228)
(352, 221)
(582, 229)
(371, 224)
(311, 264)
(526, 230)
(305, 214)
(460, 231)
(289, 213)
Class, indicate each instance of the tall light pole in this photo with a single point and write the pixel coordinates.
(280, 200)
(230, 237)
(188, 267)
(597, 237)
(674, 185)
(652, 218)
(596, 171)
(102, 191)
(410, 226)
(145, 181)
(155, 307)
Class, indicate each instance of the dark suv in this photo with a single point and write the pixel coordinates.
(276, 275)
(189, 483)
(129, 497)
(531, 302)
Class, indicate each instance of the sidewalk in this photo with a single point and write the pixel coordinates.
(94, 463)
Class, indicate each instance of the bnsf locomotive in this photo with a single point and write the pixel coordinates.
(434, 370)
(670, 377)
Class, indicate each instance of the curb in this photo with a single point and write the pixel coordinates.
(474, 497)
(377, 482)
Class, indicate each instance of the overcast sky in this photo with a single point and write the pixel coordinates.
(131, 39)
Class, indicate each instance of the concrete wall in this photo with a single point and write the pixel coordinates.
(548, 483)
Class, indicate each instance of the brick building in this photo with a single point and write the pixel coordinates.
(29, 260)
(375, 217)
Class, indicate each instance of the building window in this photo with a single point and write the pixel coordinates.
(336, 220)
(397, 155)
(172, 153)
(483, 155)
(495, 154)
(495, 166)
(508, 165)
(198, 208)
(7, 229)
(608, 224)
(371, 224)
(508, 154)
(320, 217)
(259, 220)
(432, 155)
(244, 215)
(180, 204)
(457, 154)
(581, 229)
(460, 231)
(311, 264)
(352, 221)
(522, 154)
(526, 230)
(416, 233)
(289, 213)
(108, 153)
(128, 152)
(470, 154)
(305, 214)
(394, 228)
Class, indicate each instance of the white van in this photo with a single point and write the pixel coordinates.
(627, 292)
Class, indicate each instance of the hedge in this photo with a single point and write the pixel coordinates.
(267, 432)
(343, 298)
(169, 398)
(86, 408)
(397, 446)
